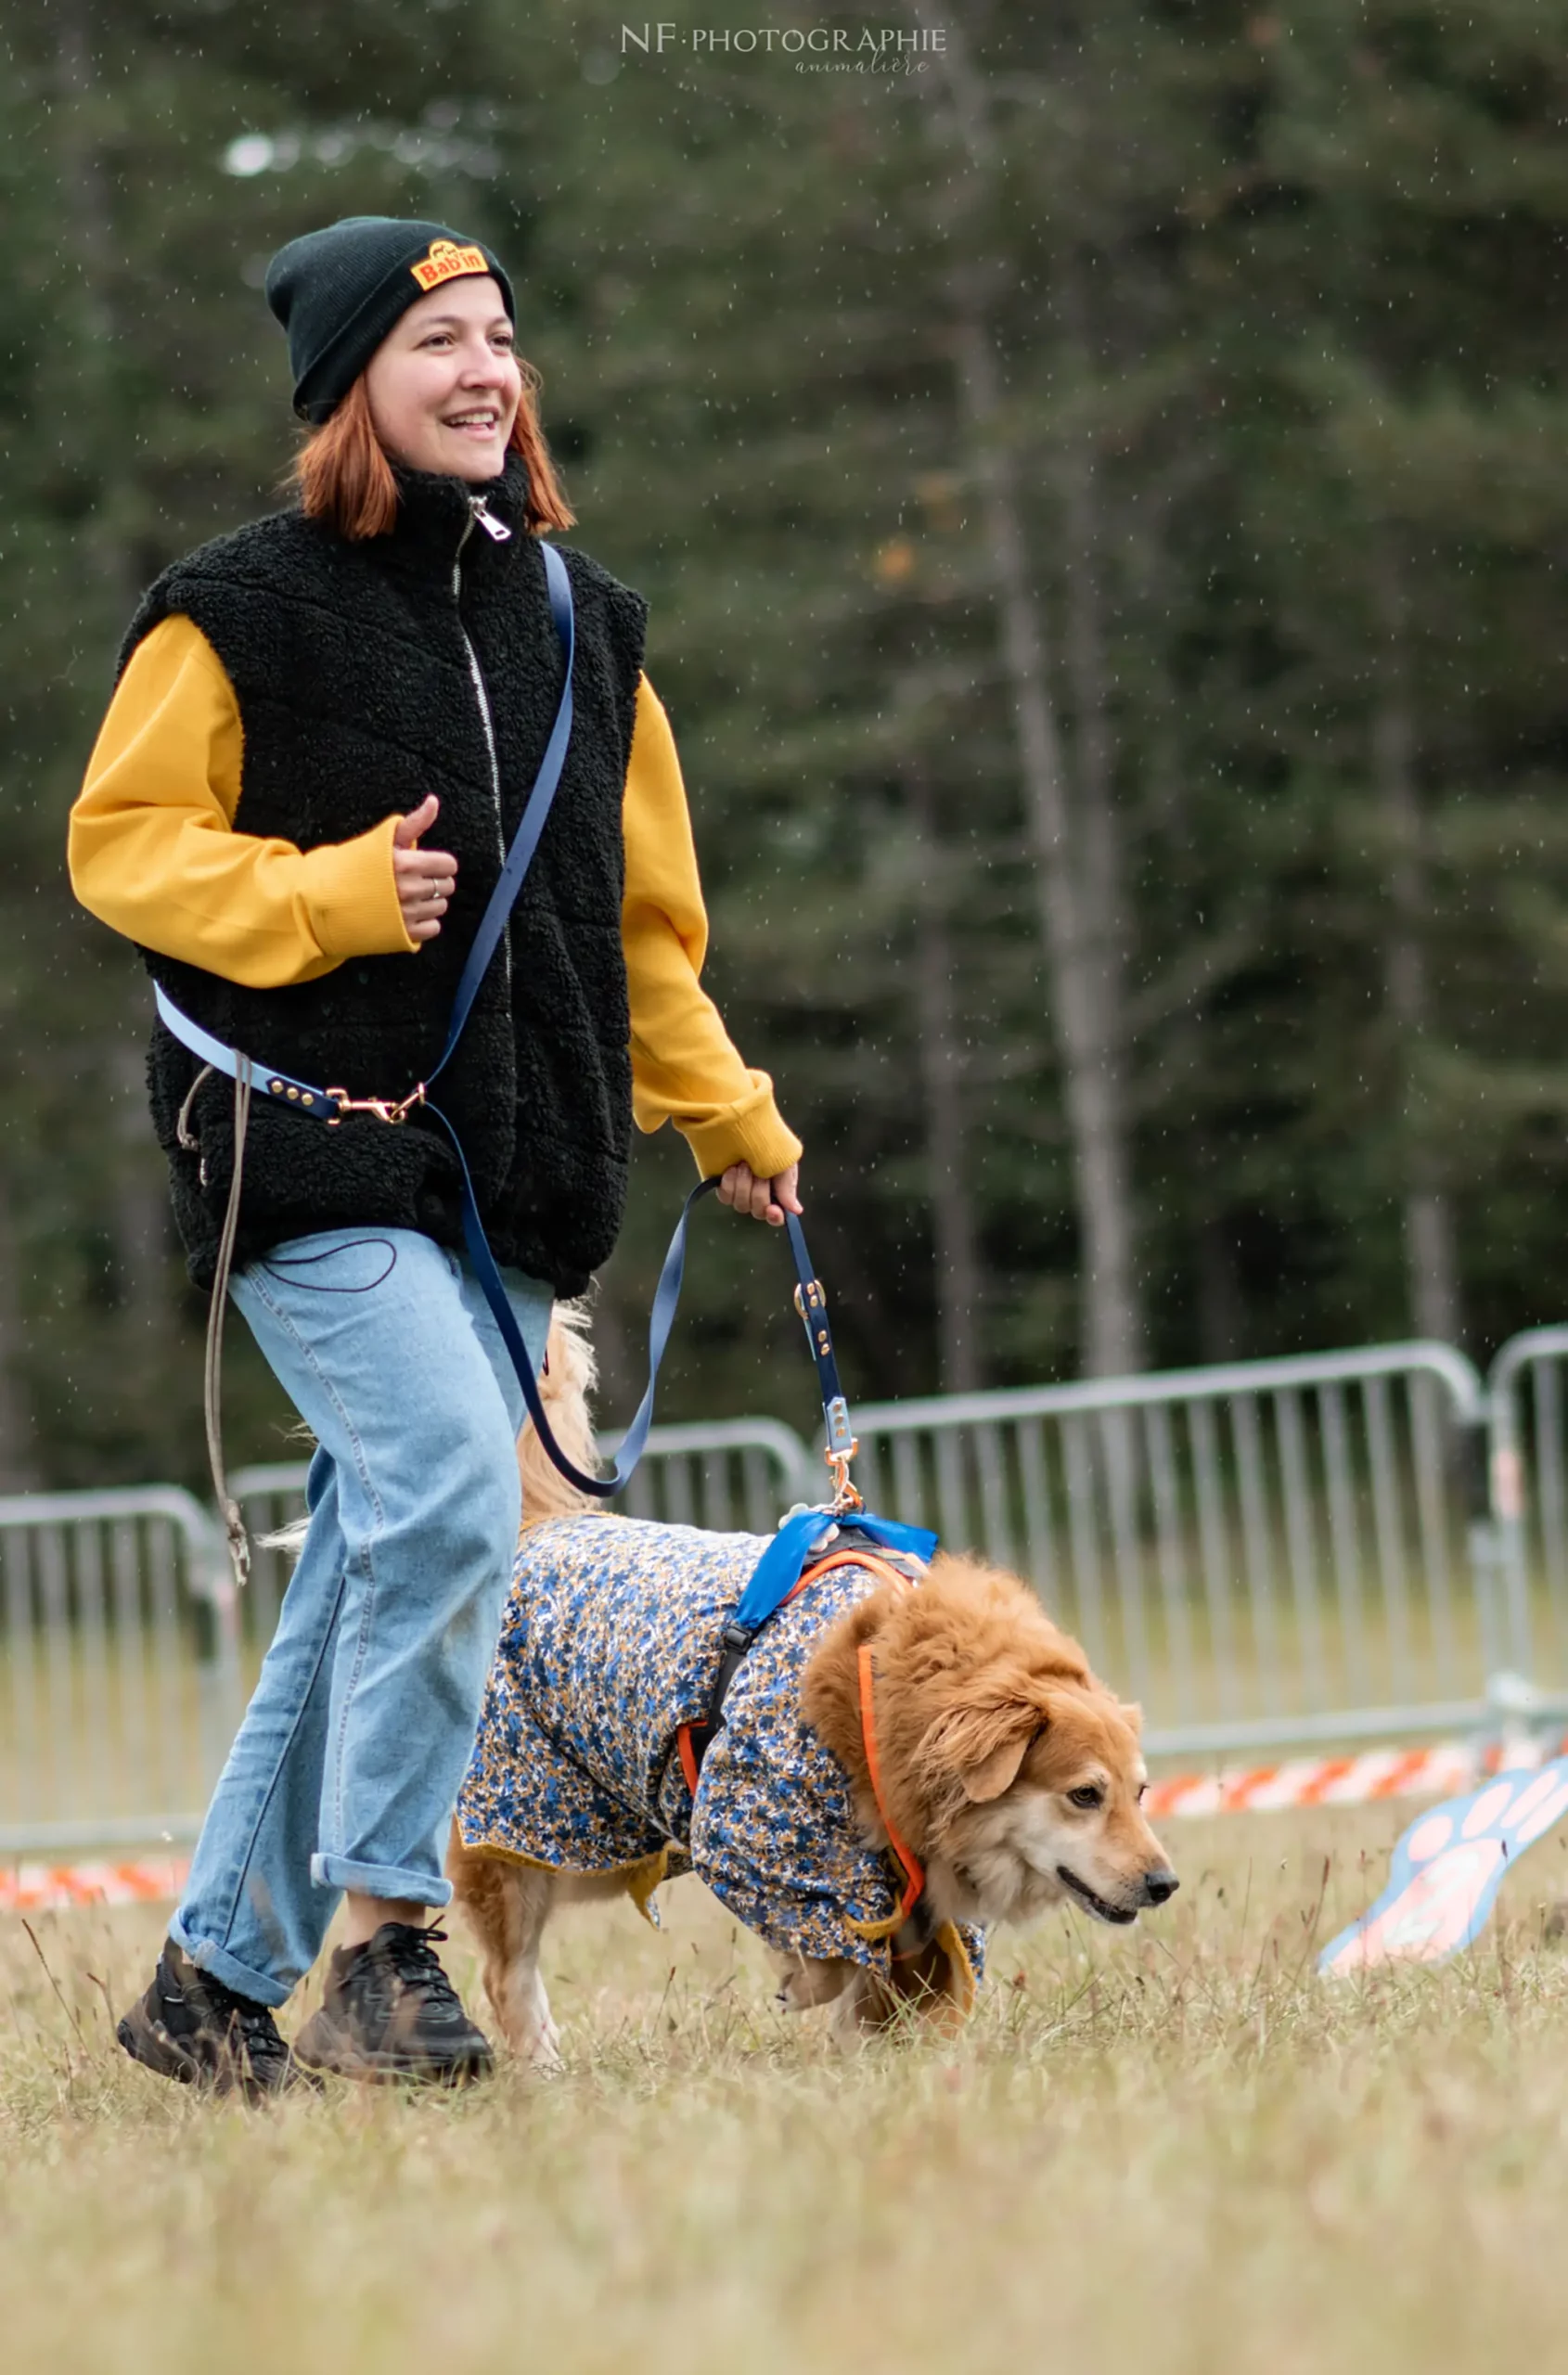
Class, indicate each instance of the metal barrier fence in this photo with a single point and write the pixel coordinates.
(737, 1475)
(1268, 1555)
(125, 1651)
(1528, 1484)
(119, 1684)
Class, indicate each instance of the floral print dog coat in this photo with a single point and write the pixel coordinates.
(610, 1642)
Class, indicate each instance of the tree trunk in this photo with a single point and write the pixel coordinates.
(1222, 1318)
(139, 1220)
(1100, 861)
(18, 1454)
(954, 1235)
(1074, 928)
(1431, 1244)
(138, 1215)
(1074, 839)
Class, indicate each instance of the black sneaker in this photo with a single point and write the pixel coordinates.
(389, 2010)
(190, 2026)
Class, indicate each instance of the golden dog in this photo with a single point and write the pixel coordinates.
(1006, 1768)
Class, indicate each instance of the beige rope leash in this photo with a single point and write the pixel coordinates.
(234, 1524)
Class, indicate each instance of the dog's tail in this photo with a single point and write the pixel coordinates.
(569, 1379)
(564, 1389)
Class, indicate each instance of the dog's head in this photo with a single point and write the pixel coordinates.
(1014, 1773)
(1035, 1788)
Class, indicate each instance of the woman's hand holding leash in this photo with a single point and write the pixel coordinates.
(762, 1200)
(425, 879)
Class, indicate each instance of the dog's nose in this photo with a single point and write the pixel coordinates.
(1158, 1886)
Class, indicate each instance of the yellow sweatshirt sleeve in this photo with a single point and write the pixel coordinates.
(685, 1068)
(153, 854)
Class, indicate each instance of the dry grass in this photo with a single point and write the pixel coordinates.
(1175, 2151)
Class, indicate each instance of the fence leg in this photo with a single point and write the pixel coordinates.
(1505, 1504)
(220, 1702)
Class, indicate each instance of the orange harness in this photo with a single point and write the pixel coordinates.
(914, 1873)
(914, 1870)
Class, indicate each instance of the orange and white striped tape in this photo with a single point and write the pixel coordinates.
(1440, 1772)
(1319, 1781)
(43, 1888)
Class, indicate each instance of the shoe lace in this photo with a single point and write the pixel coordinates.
(247, 2025)
(409, 1956)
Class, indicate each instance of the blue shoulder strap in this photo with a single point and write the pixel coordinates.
(525, 841)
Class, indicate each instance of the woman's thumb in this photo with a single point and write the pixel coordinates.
(419, 820)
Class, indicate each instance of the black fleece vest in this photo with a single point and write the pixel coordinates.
(356, 698)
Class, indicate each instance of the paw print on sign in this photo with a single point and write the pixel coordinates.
(1447, 1869)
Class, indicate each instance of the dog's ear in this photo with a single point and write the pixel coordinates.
(981, 1742)
(1132, 1715)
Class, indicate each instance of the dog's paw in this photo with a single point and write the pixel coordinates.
(542, 2056)
(534, 2047)
(804, 1985)
(528, 2029)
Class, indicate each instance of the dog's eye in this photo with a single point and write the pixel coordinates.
(1087, 1797)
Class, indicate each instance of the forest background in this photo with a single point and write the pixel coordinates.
(1100, 476)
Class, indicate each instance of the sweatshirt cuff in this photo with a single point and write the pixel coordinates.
(751, 1131)
(351, 894)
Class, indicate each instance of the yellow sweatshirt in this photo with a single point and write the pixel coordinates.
(153, 854)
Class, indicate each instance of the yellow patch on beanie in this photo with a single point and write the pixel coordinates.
(446, 261)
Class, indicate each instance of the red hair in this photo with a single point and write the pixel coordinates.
(343, 475)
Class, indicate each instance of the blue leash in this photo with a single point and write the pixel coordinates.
(329, 1105)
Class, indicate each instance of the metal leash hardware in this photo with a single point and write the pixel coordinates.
(811, 1302)
(385, 1108)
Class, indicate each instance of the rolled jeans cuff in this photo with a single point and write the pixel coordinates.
(230, 1969)
(379, 1879)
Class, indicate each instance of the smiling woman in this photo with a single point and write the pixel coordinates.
(299, 703)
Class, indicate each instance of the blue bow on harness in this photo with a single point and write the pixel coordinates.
(773, 1578)
(783, 1562)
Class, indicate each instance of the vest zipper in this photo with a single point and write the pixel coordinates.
(501, 534)
(496, 530)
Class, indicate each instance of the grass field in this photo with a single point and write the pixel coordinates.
(1176, 2150)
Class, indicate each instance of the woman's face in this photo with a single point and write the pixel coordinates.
(443, 385)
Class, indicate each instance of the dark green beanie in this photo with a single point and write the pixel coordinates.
(338, 291)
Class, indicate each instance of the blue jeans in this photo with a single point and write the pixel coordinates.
(347, 1766)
